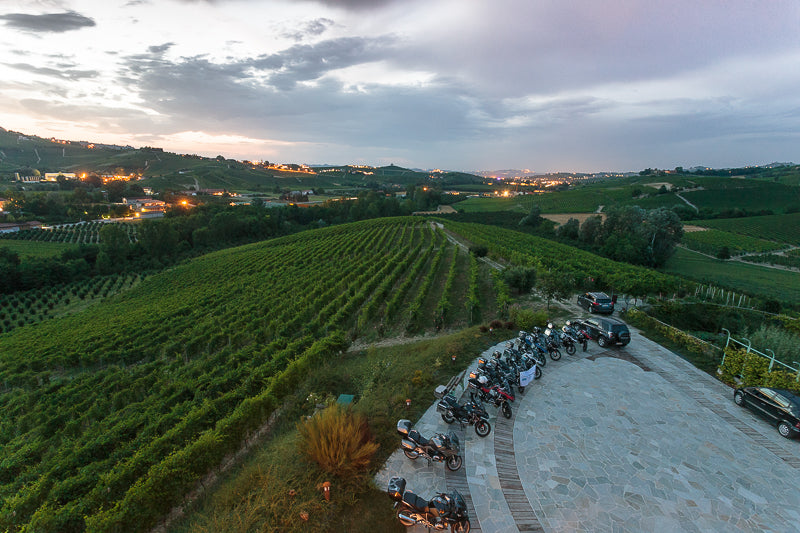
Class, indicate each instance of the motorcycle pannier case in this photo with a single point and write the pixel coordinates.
(397, 486)
(403, 427)
(408, 445)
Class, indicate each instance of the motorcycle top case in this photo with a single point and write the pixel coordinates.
(403, 427)
(396, 488)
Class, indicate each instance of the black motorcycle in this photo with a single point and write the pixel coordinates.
(441, 512)
(440, 448)
(471, 413)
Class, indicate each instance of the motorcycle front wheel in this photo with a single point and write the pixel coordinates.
(506, 410)
(540, 359)
(460, 527)
(555, 355)
(482, 428)
(538, 373)
(570, 348)
(411, 454)
(454, 462)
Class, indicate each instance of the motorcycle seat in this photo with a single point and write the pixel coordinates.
(417, 502)
(416, 437)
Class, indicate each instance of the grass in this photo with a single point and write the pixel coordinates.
(34, 248)
(772, 283)
(256, 496)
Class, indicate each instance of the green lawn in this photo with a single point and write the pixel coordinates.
(34, 248)
(769, 282)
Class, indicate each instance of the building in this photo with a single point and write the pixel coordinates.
(53, 176)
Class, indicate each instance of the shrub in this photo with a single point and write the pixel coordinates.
(479, 250)
(338, 440)
(526, 319)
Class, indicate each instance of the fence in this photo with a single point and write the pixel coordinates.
(750, 349)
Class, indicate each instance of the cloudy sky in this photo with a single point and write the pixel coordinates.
(579, 85)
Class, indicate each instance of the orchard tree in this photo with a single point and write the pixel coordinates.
(556, 285)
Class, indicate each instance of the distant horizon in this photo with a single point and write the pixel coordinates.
(528, 171)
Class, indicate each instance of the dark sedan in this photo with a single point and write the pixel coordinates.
(778, 406)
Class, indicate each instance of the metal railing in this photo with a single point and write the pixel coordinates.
(771, 356)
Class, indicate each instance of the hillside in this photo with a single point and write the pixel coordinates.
(165, 170)
(113, 412)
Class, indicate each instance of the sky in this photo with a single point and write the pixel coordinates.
(545, 85)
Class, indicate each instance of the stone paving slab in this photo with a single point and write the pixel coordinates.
(646, 444)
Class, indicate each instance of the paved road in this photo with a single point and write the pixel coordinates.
(632, 439)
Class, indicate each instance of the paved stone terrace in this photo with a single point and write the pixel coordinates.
(619, 440)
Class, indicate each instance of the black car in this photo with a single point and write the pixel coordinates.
(778, 406)
(606, 331)
(596, 302)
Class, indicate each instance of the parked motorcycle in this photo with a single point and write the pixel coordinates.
(567, 341)
(471, 413)
(552, 342)
(442, 511)
(480, 389)
(441, 448)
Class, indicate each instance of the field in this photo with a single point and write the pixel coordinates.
(781, 285)
(749, 195)
(712, 241)
(33, 248)
(111, 413)
(780, 228)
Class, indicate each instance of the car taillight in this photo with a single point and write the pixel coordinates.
(797, 425)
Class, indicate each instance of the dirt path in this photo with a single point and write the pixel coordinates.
(690, 204)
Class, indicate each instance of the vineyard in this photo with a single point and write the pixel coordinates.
(83, 233)
(781, 285)
(751, 195)
(585, 269)
(781, 228)
(33, 306)
(712, 241)
(112, 413)
(789, 259)
(33, 248)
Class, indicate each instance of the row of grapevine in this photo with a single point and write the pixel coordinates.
(415, 309)
(443, 306)
(85, 233)
(473, 302)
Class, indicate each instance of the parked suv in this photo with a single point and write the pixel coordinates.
(596, 302)
(606, 331)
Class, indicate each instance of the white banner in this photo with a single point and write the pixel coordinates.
(527, 376)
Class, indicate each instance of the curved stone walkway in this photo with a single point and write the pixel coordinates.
(632, 439)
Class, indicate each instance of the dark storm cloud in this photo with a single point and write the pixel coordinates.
(49, 22)
(309, 62)
(64, 73)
